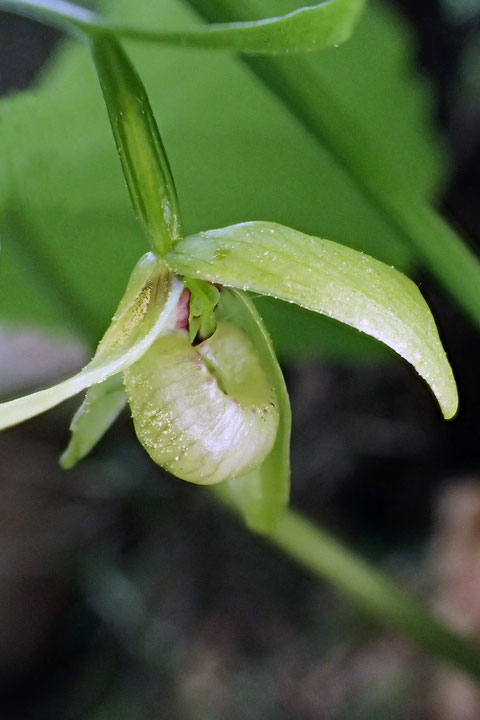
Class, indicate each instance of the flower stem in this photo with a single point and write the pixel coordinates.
(140, 148)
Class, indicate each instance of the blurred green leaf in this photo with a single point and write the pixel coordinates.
(235, 151)
(329, 278)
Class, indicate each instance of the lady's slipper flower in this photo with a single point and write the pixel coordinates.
(186, 347)
(209, 412)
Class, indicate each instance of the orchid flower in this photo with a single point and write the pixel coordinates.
(186, 348)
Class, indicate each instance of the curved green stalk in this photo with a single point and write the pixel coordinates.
(356, 580)
(316, 27)
(449, 259)
(55, 12)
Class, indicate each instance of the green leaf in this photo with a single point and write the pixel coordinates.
(237, 153)
(262, 495)
(102, 405)
(330, 279)
(326, 24)
(205, 414)
(143, 313)
(144, 161)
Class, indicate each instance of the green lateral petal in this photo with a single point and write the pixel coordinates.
(322, 25)
(144, 312)
(328, 278)
(262, 494)
(207, 413)
(102, 405)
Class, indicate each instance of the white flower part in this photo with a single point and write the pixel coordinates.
(205, 414)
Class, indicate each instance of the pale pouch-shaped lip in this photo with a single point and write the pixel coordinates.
(206, 413)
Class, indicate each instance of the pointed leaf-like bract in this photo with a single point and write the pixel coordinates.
(328, 278)
(144, 160)
(207, 413)
(102, 405)
(261, 495)
(144, 312)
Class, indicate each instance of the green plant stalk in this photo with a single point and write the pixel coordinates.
(143, 157)
(326, 24)
(440, 248)
(330, 560)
